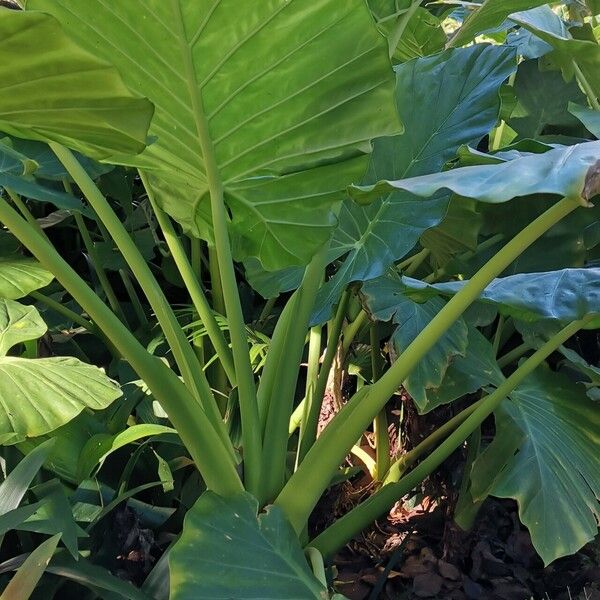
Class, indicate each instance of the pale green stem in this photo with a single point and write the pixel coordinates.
(199, 300)
(306, 485)
(586, 87)
(22, 207)
(214, 460)
(309, 435)
(183, 353)
(513, 355)
(357, 519)
(239, 341)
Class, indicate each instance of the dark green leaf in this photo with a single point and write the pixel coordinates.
(469, 373)
(227, 550)
(442, 110)
(386, 301)
(543, 97)
(563, 296)
(555, 476)
(563, 171)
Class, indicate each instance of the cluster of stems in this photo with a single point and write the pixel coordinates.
(266, 409)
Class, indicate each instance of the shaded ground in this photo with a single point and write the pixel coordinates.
(417, 553)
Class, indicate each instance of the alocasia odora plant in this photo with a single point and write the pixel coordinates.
(273, 130)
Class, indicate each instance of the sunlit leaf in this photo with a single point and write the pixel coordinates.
(18, 323)
(20, 276)
(293, 92)
(39, 395)
(64, 94)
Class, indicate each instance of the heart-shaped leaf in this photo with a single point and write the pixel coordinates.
(293, 92)
(227, 550)
(441, 111)
(39, 395)
(20, 276)
(18, 323)
(64, 93)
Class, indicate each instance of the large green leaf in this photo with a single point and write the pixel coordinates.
(18, 323)
(64, 93)
(564, 296)
(565, 171)
(293, 93)
(39, 395)
(445, 101)
(543, 97)
(20, 276)
(227, 550)
(568, 51)
(555, 475)
(488, 16)
(386, 300)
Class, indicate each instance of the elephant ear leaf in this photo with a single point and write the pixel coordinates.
(40, 395)
(18, 323)
(561, 296)
(52, 89)
(568, 171)
(555, 474)
(228, 550)
(291, 94)
(21, 276)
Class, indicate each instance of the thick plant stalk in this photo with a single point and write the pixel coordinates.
(285, 365)
(100, 272)
(304, 488)
(380, 424)
(183, 353)
(313, 410)
(212, 457)
(194, 289)
(345, 528)
(312, 374)
(239, 340)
